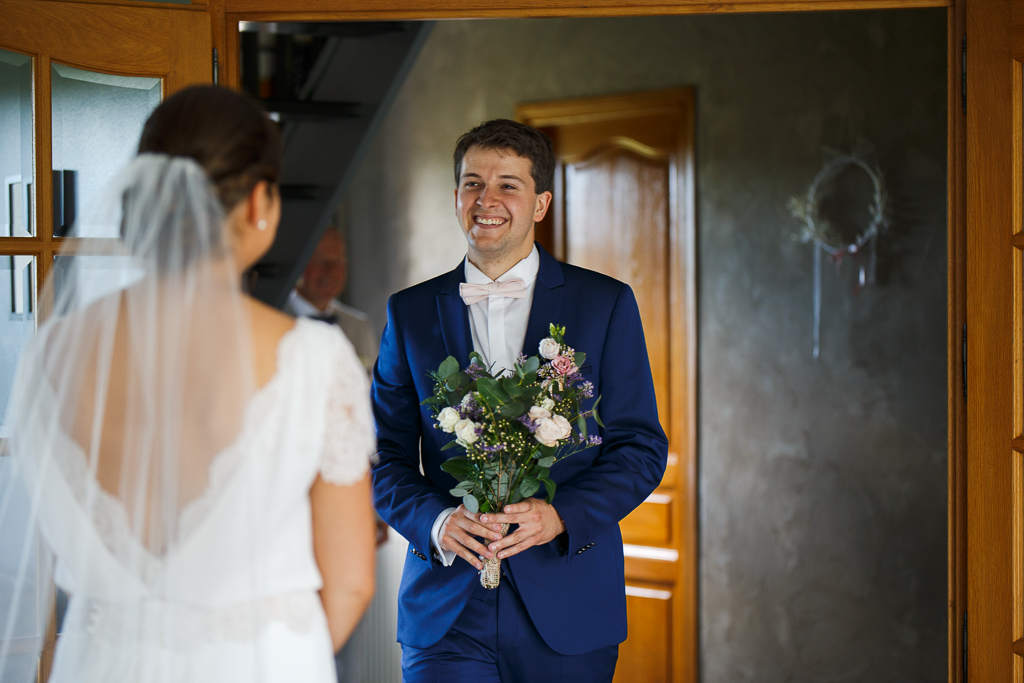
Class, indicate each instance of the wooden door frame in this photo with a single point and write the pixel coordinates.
(227, 13)
(224, 16)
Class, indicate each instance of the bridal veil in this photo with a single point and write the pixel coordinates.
(127, 407)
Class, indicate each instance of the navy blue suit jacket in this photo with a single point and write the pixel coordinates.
(575, 594)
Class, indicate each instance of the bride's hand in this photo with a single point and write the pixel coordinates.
(460, 532)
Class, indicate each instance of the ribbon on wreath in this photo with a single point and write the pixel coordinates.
(818, 231)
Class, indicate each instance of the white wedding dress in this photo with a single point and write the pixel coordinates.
(234, 598)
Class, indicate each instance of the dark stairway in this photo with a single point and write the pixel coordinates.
(330, 85)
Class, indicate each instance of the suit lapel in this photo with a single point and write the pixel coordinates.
(454, 317)
(547, 301)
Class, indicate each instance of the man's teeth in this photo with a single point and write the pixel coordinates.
(490, 221)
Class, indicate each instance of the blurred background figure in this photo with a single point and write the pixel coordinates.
(316, 295)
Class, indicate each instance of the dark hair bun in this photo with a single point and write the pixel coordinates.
(227, 133)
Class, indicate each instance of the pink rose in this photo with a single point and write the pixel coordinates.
(563, 365)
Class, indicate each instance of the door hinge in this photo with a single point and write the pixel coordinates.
(216, 68)
(963, 362)
(963, 74)
(963, 665)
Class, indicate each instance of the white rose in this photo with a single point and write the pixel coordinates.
(447, 418)
(540, 412)
(465, 431)
(547, 404)
(550, 431)
(549, 348)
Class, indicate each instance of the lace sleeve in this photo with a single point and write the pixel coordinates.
(349, 433)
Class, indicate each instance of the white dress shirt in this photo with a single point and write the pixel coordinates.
(498, 325)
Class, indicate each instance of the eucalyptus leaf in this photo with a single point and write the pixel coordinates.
(530, 377)
(448, 368)
(581, 424)
(450, 444)
(529, 486)
(512, 410)
(550, 486)
(532, 364)
(492, 391)
(579, 358)
(459, 467)
(471, 503)
(475, 357)
(597, 417)
(547, 462)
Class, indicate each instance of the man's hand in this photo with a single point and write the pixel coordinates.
(538, 523)
(459, 534)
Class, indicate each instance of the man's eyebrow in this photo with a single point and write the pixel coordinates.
(511, 177)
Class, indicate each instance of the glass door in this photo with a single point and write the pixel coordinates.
(77, 82)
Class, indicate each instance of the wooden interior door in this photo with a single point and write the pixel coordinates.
(77, 81)
(995, 340)
(624, 207)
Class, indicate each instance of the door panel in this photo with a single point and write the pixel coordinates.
(995, 326)
(623, 206)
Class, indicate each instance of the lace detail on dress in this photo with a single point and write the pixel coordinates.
(107, 513)
(180, 626)
(349, 434)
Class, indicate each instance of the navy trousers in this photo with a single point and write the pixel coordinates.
(494, 641)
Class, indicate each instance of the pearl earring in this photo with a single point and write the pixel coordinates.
(262, 225)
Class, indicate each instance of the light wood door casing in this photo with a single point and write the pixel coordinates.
(995, 328)
(624, 206)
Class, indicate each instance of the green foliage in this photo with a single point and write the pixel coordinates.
(512, 410)
(459, 467)
(506, 463)
(550, 486)
(529, 486)
(448, 368)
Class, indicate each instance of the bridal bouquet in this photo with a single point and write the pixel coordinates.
(512, 429)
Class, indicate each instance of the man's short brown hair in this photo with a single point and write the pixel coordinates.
(524, 141)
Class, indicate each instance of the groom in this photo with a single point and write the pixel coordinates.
(560, 611)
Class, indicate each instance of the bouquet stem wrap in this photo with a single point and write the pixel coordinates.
(490, 575)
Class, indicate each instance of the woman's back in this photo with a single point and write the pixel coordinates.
(180, 441)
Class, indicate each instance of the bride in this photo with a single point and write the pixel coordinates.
(195, 462)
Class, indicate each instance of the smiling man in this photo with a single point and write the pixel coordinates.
(559, 613)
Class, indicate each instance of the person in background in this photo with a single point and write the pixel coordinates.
(316, 296)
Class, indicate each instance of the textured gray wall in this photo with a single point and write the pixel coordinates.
(822, 483)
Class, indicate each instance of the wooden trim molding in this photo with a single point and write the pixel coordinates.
(369, 10)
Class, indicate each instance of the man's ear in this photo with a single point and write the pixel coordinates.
(543, 203)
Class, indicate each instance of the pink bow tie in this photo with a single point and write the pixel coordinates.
(513, 289)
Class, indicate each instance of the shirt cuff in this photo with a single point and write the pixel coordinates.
(447, 556)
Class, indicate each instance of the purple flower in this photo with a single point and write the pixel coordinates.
(475, 371)
(527, 422)
(593, 440)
